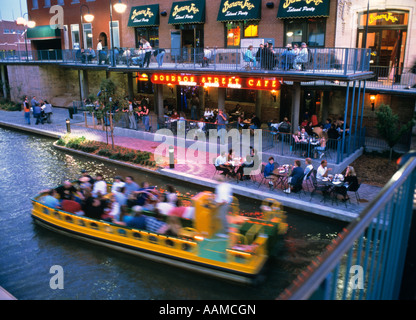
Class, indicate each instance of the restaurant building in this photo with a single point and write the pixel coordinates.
(185, 29)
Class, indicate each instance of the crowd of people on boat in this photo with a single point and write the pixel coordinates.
(124, 202)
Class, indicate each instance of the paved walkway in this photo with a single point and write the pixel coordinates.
(193, 171)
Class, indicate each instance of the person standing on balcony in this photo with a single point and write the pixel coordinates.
(302, 58)
(248, 56)
(159, 55)
(132, 119)
(99, 49)
(148, 52)
(146, 119)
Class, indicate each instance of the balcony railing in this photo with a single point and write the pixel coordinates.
(342, 61)
(366, 261)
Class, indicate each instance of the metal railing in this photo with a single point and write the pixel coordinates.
(318, 60)
(366, 260)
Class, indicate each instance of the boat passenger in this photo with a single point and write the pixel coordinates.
(118, 183)
(66, 189)
(154, 224)
(135, 220)
(171, 196)
(50, 199)
(95, 208)
(72, 206)
(113, 210)
(131, 186)
(100, 186)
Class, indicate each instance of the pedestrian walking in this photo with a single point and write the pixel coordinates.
(26, 110)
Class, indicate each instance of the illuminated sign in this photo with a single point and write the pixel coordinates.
(386, 17)
(214, 81)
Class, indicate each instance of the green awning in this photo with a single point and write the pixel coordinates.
(43, 33)
(303, 9)
(144, 16)
(238, 10)
(185, 12)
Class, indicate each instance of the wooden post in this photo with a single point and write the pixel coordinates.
(93, 120)
(85, 118)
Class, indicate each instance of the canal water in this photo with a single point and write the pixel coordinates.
(29, 163)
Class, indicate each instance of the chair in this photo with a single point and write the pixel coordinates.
(263, 178)
(355, 190)
(216, 170)
(308, 179)
(316, 186)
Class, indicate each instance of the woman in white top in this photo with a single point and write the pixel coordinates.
(100, 186)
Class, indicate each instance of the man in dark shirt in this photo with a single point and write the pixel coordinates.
(66, 190)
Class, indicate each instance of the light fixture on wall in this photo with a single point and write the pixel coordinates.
(373, 102)
(270, 5)
(273, 94)
(164, 13)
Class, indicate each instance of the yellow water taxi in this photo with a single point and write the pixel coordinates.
(239, 256)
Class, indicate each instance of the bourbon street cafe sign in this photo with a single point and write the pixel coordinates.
(237, 10)
(216, 81)
(187, 12)
(144, 16)
(303, 9)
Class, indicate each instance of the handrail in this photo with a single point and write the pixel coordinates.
(306, 284)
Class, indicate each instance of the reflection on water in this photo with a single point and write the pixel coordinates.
(30, 163)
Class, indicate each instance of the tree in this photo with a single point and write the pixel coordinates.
(112, 97)
(389, 128)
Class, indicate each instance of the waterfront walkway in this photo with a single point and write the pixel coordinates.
(195, 173)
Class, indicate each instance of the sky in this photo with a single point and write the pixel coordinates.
(10, 9)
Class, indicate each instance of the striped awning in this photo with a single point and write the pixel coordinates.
(239, 10)
(303, 9)
(187, 12)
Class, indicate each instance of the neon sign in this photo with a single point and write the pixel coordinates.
(214, 81)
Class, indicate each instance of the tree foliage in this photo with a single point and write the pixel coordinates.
(389, 127)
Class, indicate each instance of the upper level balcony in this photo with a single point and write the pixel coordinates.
(319, 63)
(322, 66)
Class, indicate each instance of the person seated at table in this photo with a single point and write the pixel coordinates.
(284, 126)
(352, 182)
(252, 162)
(327, 124)
(255, 122)
(332, 133)
(201, 126)
(304, 136)
(295, 179)
(321, 148)
(268, 173)
(309, 167)
(319, 130)
(240, 123)
(220, 164)
(309, 128)
(322, 171)
(230, 155)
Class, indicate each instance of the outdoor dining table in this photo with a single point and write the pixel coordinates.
(282, 174)
(332, 183)
(307, 146)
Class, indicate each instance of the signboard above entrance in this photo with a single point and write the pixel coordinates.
(144, 16)
(187, 12)
(215, 81)
(303, 9)
(239, 10)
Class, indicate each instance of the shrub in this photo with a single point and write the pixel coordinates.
(105, 152)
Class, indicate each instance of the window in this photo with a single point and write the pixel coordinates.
(87, 35)
(61, 2)
(75, 36)
(241, 95)
(35, 4)
(74, 1)
(235, 31)
(47, 4)
(116, 33)
(151, 34)
(310, 31)
(6, 31)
